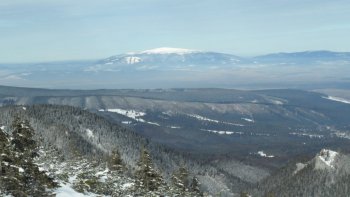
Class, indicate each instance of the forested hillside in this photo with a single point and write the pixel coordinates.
(74, 133)
(326, 175)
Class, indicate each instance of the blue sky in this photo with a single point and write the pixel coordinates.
(43, 30)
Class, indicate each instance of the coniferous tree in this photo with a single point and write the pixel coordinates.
(116, 163)
(23, 141)
(22, 176)
(8, 181)
(195, 186)
(180, 179)
(147, 177)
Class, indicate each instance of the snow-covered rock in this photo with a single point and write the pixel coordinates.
(325, 159)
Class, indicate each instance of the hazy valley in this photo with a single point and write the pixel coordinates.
(230, 140)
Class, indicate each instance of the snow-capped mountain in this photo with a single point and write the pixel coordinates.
(178, 67)
(166, 59)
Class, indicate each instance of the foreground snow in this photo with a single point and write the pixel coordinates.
(67, 191)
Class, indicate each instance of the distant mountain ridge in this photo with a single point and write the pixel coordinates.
(176, 67)
(310, 54)
(304, 57)
(181, 59)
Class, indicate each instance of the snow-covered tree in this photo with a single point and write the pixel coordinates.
(180, 179)
(147, 177)
(8, 172)
(22, 140)
(20, 176)
(195, 186)
(115, 162)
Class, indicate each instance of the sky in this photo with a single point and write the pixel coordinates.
(51, 30)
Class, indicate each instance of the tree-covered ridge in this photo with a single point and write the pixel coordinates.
(28, 169)
(73, 130)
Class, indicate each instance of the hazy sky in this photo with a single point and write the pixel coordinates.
(45, 30)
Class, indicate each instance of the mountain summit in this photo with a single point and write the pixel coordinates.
(166, 58)
(169, 50)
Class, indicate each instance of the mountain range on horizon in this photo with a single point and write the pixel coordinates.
(185, 68)
(183, 51)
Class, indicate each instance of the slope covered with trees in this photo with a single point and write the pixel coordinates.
(49, 149)
(28, 169)
(78, 133)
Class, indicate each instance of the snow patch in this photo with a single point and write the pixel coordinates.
(67, 191)
(153, 123)
(126, 122)
(248, 119)
(299, 166)
(133, 114)
(345, 135)
(132, 60)
(307, 135)
(198, 117)
(338, 99)
(89, 133)
(167, 50)
(128, 113)
(262, 154)
(127, 186)
(277, 102)
(223, 132)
